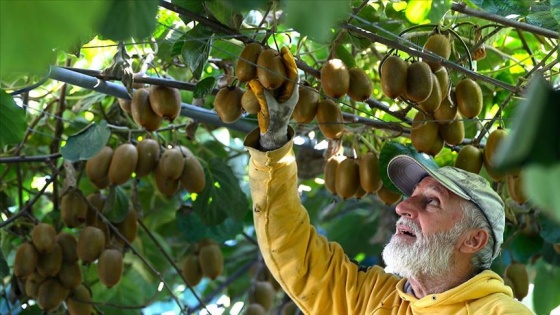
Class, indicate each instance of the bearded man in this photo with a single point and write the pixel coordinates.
(438, 261)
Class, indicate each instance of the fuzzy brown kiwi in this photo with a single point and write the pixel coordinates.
(164, 185)
(129, 226)
(255, 309)
(387, 196)
(227, 103)
(26, 260)
(77, 301)
(32, 283)
(330, 172)
(97, 200)
(126, 105)
(495, 174)
(148, 156)
(438, 44)
(433, 101)
(50, 294)
(517, 273)
(142, 111)
(249, 102)
(514, 182)
(211, 261)
(263, 294)
(359, 86)
(446, 111)
(393, 76)
(306, 106)
(335, 78)
(43, 237)
(70, 275)
(68, 244)
(454, 132)
(271, 71)
(90, 244)
(191, 270)
(469, 98)
(123, 163)
(110, 267)
(171, 163)
(370, 178)
(424, 132)
(470, 159)
(97, 168)
(436, 147)
(347, 178)
(289, 308)
(419, 82)
(492, 143)
(330, 120)
(246, 67)
(49, 264)
(73, 209)
(442, 77)
(165, 101)
(193, 178)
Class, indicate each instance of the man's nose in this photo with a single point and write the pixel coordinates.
(408, 207)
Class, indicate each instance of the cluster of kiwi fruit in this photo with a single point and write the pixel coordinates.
(350, 177)
(262, 294)
(516, 276)
(172, 167)
(206, 260)
(150, 106)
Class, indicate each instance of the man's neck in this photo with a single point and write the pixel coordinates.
(423, 285)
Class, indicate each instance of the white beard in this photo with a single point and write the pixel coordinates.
(428, 256)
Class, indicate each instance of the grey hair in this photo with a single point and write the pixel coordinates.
(474, 218)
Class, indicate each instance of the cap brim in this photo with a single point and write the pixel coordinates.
(406, 172)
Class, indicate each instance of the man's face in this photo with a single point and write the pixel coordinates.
(427, 232)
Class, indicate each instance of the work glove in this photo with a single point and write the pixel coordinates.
(277, 106)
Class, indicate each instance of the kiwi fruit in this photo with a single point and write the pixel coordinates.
(446, 111)
(359, 86)
(347, 178)
(90, 244)
(335, 78)
(330, 172)
(370, 176)
(43, 237)
(436, 146)
(50, 294)
(470, 159)
(126, 105)
(514, 182)
(454, 132)
(32, 283)
(68, 244)
(492, 172)
(101, 225)
(329, 118)
(387, 196)
(191, 270)
(97, 168)
(306, 106)
(517, 273)
(26, 260)
(211, 261)
(249, 102)
(442, 77)
(227, 103)
(469, 98)
(165, 185)
(148, 156)
(70, 275)
(289, 308)
(419, 82)
(424, 132)
(192, 178)
(73, 209)
(129, 226)
(142, 111)
(255, 309)
(271, 71)
(246, 67)
(492, 144)
(97, 200)
(171, 163)
(438, 44)
(49, 264)
(77, 301)
(165, 101)
(263, 294)
(110, 267)
(123, 163)
(393, 76)
(434, 100)
(556, 247)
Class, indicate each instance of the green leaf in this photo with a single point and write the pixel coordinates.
(86, 143)
(324, 17)
(226, 49)
(343, 54)
(222, 197)
(129, 18)
(547, 286)
(196, 6)
(438, 10)
(196, 49)
(4, 269)
(544, 19)
(204, 87)
(542, 184)
(30, 31)
(391, 149)
(417, 10)
(193, 228)
(117, 205)
(226, 14)
(523, 247)
(550, 230)
(12, 120)
(504, 7)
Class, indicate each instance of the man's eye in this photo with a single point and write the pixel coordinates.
(433, 201)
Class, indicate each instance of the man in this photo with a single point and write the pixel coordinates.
(450, 229)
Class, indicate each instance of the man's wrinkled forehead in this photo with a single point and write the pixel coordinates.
(430, 183)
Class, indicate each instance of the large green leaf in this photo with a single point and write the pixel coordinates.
(504, 7)
(193, 229)
(117, 205)
(204, 87)
(417, 10)
(523, 247)
(550, 230)
(547, 286)
(324, 17)
(196, 49)
(542, 184)
(222, 197)
(12, 120)
(438, 10)
(129, 18)
(86, 143)
(133, 289)
(4, 269)
(226, 14)
(343, 54)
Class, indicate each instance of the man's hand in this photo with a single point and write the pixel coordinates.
(275, 113)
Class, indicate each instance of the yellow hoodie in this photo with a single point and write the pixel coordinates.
(318, 275)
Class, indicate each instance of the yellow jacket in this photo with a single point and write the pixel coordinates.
(318, 275)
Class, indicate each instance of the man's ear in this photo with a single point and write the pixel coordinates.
(473, 241)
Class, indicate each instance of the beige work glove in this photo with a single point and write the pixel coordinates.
(275, 112)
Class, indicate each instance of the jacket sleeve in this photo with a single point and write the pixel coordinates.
(316, 274)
